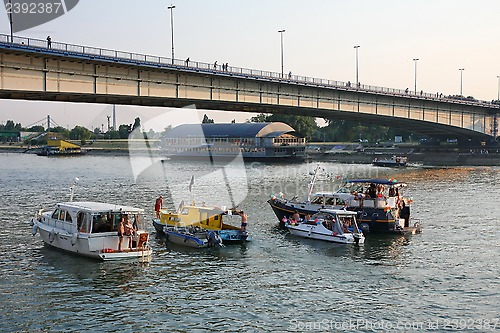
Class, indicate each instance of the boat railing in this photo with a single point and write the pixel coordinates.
(124, 57)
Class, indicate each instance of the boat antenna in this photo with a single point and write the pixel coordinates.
(311, 184)
(72, 188)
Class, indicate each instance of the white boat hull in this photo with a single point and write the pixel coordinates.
(99, 246)
(320, 233)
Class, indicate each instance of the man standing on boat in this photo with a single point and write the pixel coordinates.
(244, 221)
(158, 206)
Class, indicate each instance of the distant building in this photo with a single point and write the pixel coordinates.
(254, 140)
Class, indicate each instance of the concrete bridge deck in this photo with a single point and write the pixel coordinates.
(30, 70)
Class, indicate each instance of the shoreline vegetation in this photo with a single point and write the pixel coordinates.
(324, 152)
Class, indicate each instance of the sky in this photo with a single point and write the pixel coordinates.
(319, 41)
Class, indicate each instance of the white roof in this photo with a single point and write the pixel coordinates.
(337, 211)
(97, 207)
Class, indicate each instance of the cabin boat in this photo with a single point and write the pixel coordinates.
(379, 203)
(192, 236)
(337, 226)
(209, 218)
(90, 229)
(381, 206)
(394, 162)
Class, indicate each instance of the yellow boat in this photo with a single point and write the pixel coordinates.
(209, 218)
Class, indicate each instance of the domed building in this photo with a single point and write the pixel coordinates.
(256, 141)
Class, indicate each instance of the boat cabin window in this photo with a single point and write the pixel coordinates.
(68, 218)
(317, 200)
(55, 214)
(185, 211)
(62, 215)
(83, 222)
(102, 222)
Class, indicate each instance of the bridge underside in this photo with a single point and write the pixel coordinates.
(411, 125)
(34, 73)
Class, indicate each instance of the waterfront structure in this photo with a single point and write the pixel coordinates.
(253, 140)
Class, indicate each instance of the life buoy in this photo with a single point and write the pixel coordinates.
(52, 235)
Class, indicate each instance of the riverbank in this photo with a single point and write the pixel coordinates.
(427, 158)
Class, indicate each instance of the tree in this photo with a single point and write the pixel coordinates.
(302, 124)
(124, 130)
(207, 120)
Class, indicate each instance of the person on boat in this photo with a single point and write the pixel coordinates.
(295, 217)
(121, 232)
(158, 206)
(244, 221)
(307, 217)
(129, 231)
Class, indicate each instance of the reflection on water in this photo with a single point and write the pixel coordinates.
(269, 284)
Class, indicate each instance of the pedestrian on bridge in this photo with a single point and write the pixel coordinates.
(49, 42)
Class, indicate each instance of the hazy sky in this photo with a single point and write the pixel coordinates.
(319, 40)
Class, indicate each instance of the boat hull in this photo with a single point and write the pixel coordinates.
(186, 240)
(314, 232)
(100, 247)
(227, 235)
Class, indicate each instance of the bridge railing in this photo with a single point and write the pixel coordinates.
(144, 59)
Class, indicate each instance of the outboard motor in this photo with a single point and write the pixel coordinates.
(214, 239)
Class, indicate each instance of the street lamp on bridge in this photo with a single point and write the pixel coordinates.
(498, 91)
(461, 79)
(171, 8)
(356, 47)
(415, 59)
(281, 33)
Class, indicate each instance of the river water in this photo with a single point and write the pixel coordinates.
(445, 279)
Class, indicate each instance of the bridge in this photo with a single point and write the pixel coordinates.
(32, 70)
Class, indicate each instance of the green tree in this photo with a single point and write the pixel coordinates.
(304, 125)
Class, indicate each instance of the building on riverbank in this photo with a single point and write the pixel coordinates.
(262, 141)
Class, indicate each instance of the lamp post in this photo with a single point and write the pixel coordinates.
(461, 79)
(415, 59)
(11, 23)
(356, 47)
(498, 91)
(281, 33)
(171, 8)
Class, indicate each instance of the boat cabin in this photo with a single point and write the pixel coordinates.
(93, 217)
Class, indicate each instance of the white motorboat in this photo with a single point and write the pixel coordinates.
(91, 229)
(338, 226)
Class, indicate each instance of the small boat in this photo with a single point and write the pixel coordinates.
(193, 236)
(91, 229)
(394, 162)
(209, 218)
(337, 226)
(60, 148)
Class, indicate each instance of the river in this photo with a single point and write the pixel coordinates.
(445, 279)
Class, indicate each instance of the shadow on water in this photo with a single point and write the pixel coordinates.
(89, 272)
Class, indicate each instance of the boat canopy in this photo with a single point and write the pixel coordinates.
(98, 207)
(375, 181)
